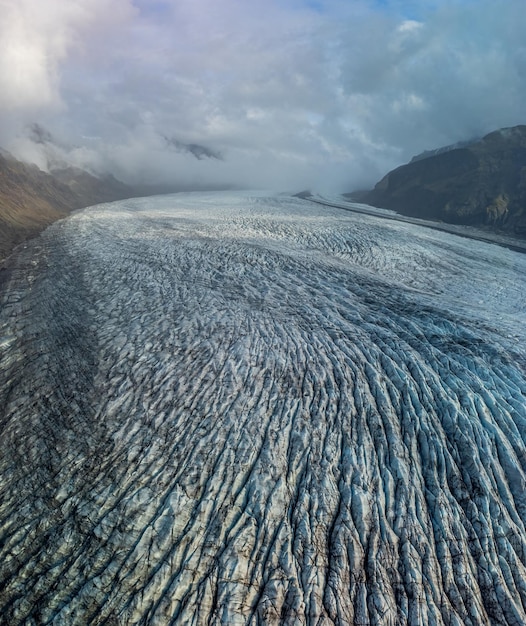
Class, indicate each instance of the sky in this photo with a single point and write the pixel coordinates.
(326, 95)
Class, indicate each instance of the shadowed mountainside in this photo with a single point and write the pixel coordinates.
(482, 183)
(31, 199)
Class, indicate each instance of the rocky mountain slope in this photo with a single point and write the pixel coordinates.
(31, 199)
(482, 183)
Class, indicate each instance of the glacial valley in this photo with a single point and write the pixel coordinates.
(250, 409)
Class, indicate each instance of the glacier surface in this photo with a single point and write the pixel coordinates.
(232, 408)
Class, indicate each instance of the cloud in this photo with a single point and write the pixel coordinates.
(37, 36)
(290, 93)
(454, 75)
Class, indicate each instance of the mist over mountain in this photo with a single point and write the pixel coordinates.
(291, 93)
(198, 151)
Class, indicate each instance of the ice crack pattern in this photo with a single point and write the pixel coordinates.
(248, 409)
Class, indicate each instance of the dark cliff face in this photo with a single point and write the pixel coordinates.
(481, 184)
(31, 199)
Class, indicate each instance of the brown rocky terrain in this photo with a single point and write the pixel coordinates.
(482, 183)
(31, 199)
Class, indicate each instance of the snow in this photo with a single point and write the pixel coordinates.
(240, 408)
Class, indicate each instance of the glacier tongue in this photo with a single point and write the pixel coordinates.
(233, 409)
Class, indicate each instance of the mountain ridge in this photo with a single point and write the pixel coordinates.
(31, 199)
(482, 183)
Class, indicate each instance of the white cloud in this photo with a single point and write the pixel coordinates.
(291, 95)
(37, 36)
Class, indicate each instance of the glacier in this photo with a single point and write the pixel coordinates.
(245, 408)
